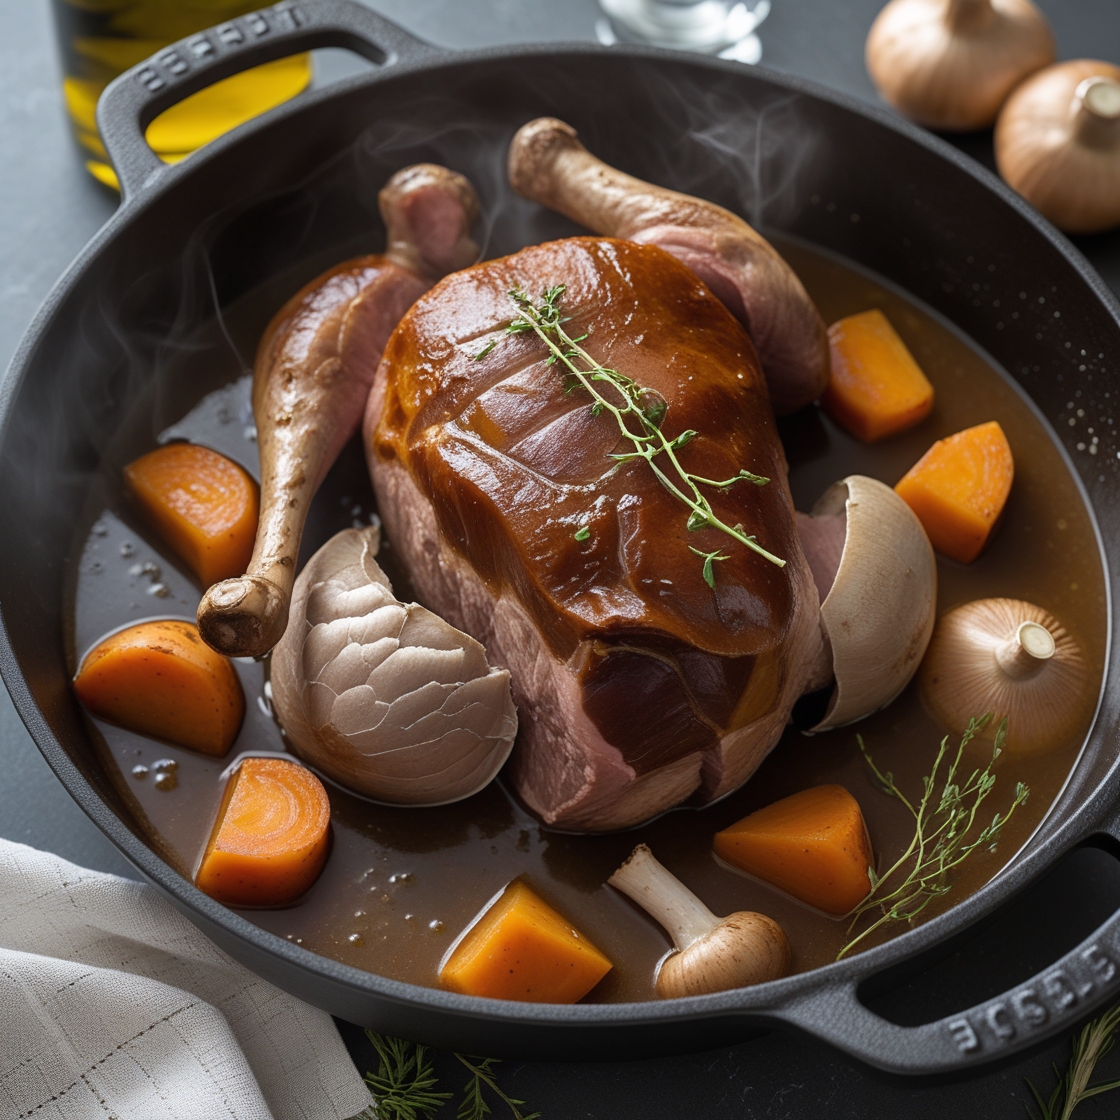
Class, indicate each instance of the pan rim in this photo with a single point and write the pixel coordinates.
(761, 1001)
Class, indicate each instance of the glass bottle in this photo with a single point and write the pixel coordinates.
(99, 39)
(721, 27)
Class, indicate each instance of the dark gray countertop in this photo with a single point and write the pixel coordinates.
(51, 208)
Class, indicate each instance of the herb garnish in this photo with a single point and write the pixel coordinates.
(1094, 1041)
(404, 1086)
(639, 413)
(941, 831)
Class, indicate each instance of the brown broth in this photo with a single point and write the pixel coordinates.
(401, 884)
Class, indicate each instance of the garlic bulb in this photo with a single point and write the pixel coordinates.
(385, 697)
(951, 63)
(1058, 144)
(1013, 659)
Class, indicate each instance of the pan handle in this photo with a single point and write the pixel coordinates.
(1055, 998)
(133, 100)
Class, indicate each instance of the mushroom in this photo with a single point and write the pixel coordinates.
(712, 954)
(1010, 658)
(386, 697)
(951, 63)
(877, 579)
(1058, 144)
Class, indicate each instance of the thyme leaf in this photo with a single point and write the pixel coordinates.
(944, 820)
(404, 1086)
(639, 413)
(582, 533)
(1095, 1040)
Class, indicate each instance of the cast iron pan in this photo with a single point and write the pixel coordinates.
(294, 189)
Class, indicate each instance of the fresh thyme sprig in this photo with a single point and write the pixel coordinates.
(942, 827)
(639, 414)
(1095, 1040)
(404, 1086)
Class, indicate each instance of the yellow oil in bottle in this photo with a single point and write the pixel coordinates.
(99, 39)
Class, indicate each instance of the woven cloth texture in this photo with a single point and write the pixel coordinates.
(112, 1005)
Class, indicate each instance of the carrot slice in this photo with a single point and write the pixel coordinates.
(875, 388)
(161, 679)
(959, 487)
(271, 838)
(813, 845)
(522, 949)
(202, 504)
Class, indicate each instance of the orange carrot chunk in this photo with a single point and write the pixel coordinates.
(875, 388)
(271, 838)
(522, 949)
(161, 679)
(959, 487)
(813, 845)
(202, 504)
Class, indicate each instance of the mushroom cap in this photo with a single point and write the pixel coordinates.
(879, 613)
(745, 948)
(1058, 144)
(990, 656)
(951, 63)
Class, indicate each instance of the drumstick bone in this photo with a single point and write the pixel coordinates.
(314, 368)
(549, 165)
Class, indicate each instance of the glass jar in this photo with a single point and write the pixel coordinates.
(99, 39)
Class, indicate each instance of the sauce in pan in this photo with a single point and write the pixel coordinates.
(401, 884)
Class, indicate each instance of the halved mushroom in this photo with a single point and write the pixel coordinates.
(877, 580)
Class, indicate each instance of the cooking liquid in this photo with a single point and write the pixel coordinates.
(99, 40)
(401, 884)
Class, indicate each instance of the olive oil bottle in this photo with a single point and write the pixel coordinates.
(99, 39)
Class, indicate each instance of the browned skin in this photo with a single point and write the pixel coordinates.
(314, 368)
(625, 663)
(549, 165)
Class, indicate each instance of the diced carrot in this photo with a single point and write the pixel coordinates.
(522, 949)
(202, 504)
(161, 679)
(271, 838)
(959, 487)
(875, 388)
(813, 845)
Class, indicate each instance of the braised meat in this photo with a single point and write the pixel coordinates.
(639, 685)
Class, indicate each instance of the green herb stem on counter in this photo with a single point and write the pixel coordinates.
(1095, 1040)
(405, 1085)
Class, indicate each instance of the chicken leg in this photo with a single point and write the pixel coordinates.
(314, 368)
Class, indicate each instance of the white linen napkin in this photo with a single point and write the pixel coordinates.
(112, 1005)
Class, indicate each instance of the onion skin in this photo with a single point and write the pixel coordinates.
(968, 672)
(950, 64)
(1060, 156)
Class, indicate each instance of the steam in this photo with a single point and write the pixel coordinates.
(140, 343)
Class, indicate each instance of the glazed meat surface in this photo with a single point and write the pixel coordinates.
(639, 686)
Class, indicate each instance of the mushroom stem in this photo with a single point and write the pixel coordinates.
(664, 897)
(965, 16)
(1096, 109)
(1026, 651)
(713, 954)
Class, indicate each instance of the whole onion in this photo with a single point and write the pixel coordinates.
(385, 697)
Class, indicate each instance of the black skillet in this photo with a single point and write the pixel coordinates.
(294, 191)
